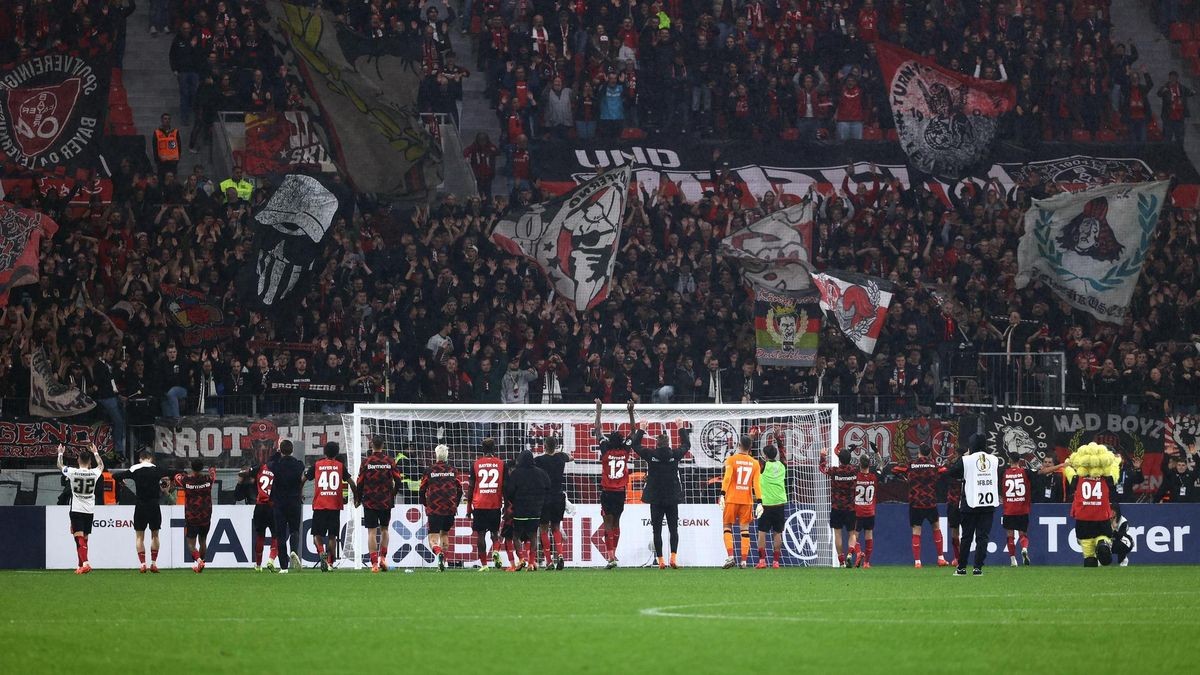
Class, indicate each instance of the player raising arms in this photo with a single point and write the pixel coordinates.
(554, 463)
(82, 479)
(329, 475)
(147, 514)
(772, 512)
(741, 489)
(1017, 493)
(378, 481)
(614, 480)
(866, 488)
(484, 496)
(264, 517)
(841, 512)
(197, 487)
(663, 491)
(922, 476)
(440, 494)
(526, 487)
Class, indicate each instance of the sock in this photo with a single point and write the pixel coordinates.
(374, 558)
(762, 553)
(512, 552)
(917, 547)
(937, 542)
(142, 557)
(745, 544)
(259, 542)
(79, 555)
(558, 542)
(274, 549)
(954, 546)
(437, 550)
(83, 551)
(660, 561)
(774, 554)
(616, 540)
(383, 554)
(673, 558)
(530, 552)
(870, 546)
(729, 543)
(841, 558)
(609, 548)
(546, 545)
(196, 554)
(154, 555)
(1024, 541)
(320, 549)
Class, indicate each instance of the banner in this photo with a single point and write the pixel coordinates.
(1088, 247)
(946, 121)
(34, 439)
(289, 233)
(21, 232)
(573, 238)
(236, 441)
(898, 441)
(52, 109)
(50, 398)
(196, 321)
(776, 251)
(787, 329)
(857, 303)
(281, 142)
(1180, 433)
(365, 91)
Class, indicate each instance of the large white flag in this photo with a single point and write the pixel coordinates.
(1089, 246)
(574, 237)
(776, 251)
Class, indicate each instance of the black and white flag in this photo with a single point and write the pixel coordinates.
(49, 397)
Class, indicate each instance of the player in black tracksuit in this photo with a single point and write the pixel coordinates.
(976, 521)
(663, 491)
(526, 488)
(147, 514)
(554, 463)
(285, 500)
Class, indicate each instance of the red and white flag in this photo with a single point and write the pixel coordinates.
(946, 121)
(775, 251)
(21, 232)
(857, 304)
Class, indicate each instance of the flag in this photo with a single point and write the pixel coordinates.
(857, 304)
(776, 251)
(787, 328)
(21, 232)
(50, 398)
(279, 142)
(365, 92)
(946, 121)
(195, 319)
(289, 233)
(1089, 246)
(52, 108)
(573, 237)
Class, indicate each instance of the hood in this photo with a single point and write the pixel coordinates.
(525, 459)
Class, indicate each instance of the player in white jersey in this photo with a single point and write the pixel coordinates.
(83, 479)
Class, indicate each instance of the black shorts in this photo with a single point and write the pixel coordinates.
(866, 523)
(147, 516)
(953, 516)
(553, 508)
(485, 520)
(842, 518)
(1089, 529)
(264, 519)
(326, 522)
(917, 516)
(81, 522)
(438, 524)
(772, 518)
(525, 528)
(197, 530)
(377, 518)
(1018, 523)
(612, 502)
(506, 530)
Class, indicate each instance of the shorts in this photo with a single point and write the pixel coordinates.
(485, 520)
(866, 523)
(1089, 529)
(612, 503)
(197, 530)
(553, 508)
(147, 516)
(1018, 523)
(525, 528)
(81, 522)
(264, 519)
(842, 518)
(772, 518)
(737, 514)
(918, 516)
(326, 523)
(437, 524)
(953, 515)
(377, 518)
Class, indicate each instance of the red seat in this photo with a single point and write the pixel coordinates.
(1081, 136)
(632, 134)
(1189, 49)
(1180, 31)
(124, 130)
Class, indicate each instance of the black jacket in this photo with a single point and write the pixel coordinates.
(662, 475)
(526, 487)
(289, 478)
(146, 480)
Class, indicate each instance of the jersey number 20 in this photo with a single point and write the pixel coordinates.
(864, 494)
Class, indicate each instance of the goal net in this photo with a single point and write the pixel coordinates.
(410, 433)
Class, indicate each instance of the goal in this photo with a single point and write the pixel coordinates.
(411, 431)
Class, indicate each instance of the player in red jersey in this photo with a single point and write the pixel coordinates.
(485, 496)
(440, 493)
(197, 509)
(1016, 490)
(866, 487)
(922, 476)
(615, 458)
(264, 517)
(841, 511)
(328, 475)
(378, 482)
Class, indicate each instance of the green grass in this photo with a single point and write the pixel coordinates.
(638, 621)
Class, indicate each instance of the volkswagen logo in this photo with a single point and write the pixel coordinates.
(798, 535)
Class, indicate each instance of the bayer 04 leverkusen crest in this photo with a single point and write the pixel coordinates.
(52, 108)
(946, 121)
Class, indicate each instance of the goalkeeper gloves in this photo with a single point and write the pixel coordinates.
(721, 501)
(570, 508)
(758, 510)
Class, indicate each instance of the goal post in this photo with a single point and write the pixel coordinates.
(411, 431)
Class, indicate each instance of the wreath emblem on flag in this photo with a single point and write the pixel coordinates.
(1116, 275)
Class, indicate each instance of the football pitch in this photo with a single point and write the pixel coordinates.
(886, 619)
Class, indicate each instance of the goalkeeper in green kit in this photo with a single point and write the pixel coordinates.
(771, 513)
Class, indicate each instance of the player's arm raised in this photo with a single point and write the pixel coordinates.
(637, 432)
(99, 460)
(596, 432)
(685, 439)
(61, 449)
